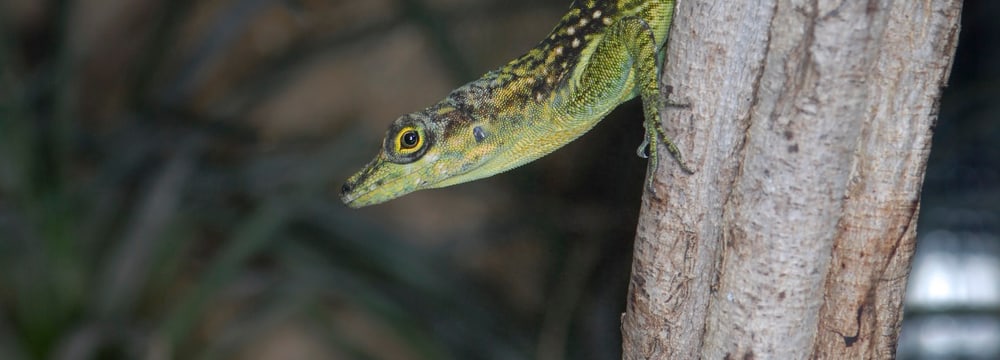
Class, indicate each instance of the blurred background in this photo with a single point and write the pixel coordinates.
(168, 176)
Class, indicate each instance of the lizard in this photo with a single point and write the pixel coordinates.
(601, 54)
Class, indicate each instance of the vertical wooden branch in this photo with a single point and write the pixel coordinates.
(809, 129)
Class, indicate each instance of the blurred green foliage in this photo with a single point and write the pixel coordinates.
(172, 235)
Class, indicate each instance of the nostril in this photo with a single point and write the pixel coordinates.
(345, 189)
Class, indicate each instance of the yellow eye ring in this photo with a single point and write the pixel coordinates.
(409, 140)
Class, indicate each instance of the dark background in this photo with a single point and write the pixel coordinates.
(168, 173)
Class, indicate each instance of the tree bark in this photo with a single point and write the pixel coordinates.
(808, 128)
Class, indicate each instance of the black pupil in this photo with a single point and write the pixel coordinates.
(410, 139)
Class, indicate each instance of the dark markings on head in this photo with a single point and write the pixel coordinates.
(463, 105)
(454, 121)
(469, 99)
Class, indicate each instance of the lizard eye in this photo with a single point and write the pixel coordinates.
(409, 140)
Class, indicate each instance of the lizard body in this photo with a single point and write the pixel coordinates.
(601, 53)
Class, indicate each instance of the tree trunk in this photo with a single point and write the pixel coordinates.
(809, 128)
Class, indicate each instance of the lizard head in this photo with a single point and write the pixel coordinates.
(433, 148)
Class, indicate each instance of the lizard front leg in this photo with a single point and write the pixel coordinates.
(640, 44)
(623, 65)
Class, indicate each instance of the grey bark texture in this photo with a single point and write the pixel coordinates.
(808, 128)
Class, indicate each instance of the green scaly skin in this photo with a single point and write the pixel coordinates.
(601, 54)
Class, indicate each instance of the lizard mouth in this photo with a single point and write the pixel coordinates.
(354, 199)
(361, 190)
(345, 193)
(355, 195)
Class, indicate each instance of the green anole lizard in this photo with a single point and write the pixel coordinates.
(601, 54)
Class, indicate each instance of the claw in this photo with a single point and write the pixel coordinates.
(641, 151)
(650, 171)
